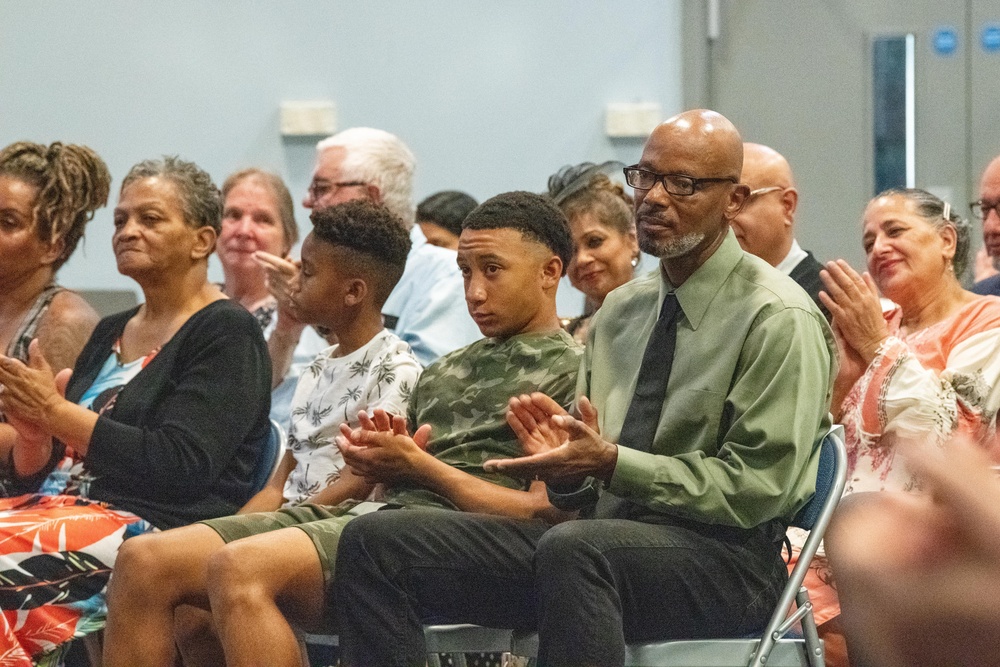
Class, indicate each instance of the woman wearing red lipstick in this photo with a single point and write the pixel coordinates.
(602, 223)
(927, 369)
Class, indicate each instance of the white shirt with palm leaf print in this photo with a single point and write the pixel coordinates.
(331, 391)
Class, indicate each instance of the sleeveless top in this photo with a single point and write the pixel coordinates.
(18, 348)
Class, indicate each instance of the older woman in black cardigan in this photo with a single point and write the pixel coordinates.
(159, 425)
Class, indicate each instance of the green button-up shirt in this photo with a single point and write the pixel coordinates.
(746, 403)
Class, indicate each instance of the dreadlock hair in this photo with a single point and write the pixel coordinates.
(72, 183)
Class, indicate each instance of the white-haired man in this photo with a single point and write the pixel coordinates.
(427, 308)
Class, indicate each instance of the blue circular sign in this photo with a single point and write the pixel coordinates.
(991, 38)
(945, 41)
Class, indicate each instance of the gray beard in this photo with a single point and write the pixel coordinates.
(677, 247)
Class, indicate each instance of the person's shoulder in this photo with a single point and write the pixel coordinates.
(550, 343)
(543, 360)
(988, 286)
(70, 309)
(116, 321)
(389, 348)
(981, 313)
(434, 260)
(625, 296)
(758, 284)
(224, 317)
(473, 350)
(494, 351)
(806, 273)
(808, 264)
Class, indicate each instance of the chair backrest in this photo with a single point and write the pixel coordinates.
(831, 478)
(269, 456)
(826, 477)
(109, 301)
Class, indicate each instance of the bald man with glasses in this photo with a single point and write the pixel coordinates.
(987, 209)
(765, 226)
(705, 391)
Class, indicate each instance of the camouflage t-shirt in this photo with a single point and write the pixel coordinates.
(463, 396)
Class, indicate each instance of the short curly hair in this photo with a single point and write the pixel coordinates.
(535, 216)
(200, 198)
(72, 183)
(374, 239)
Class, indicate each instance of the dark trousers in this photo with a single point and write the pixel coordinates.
(588, 586)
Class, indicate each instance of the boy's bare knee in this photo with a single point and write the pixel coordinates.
(230, 571)
(139, 567)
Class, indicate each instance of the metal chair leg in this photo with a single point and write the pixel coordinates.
(814, 647)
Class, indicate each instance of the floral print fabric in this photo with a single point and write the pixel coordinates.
(928, 385)
(56, 555)
(331, 391)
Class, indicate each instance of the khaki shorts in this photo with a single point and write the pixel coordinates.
(322, 524)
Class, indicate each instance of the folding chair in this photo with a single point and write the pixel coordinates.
(266, 465)
(269, 458)
(773, 648)
(457, 640)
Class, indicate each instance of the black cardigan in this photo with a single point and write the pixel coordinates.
(183, 437)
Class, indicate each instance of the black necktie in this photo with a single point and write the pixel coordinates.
(643, 414)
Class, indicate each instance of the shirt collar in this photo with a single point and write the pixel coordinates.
(697, 292)
(417, 237)
(795, 255)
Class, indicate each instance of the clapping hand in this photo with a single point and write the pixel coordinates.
(30, 393)
(381, 449)
(917, 572)
(560, 448)
(281, 276)
(853, 301)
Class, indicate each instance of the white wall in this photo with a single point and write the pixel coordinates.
(490, 95)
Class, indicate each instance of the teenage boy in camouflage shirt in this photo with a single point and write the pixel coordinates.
(513, 250)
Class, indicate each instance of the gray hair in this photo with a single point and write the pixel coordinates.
(200, 199)
(380, 159)
(932, 209)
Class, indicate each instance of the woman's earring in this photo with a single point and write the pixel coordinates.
(635, 261)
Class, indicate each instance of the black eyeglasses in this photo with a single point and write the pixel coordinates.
(981, 209)
(676, 184)
(319, 189)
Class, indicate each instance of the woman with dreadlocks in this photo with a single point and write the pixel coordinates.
(47, 196)
(603, 228)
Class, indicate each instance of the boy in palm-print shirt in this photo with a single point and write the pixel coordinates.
(512, 253)
(350, 263)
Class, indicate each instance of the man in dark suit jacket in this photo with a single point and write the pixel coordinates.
(987, 209)
(766, 225)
